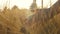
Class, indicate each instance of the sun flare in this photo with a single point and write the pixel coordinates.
(25, 3)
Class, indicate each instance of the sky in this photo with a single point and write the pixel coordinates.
(24, 3)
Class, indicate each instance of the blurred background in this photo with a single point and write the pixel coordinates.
(29, 16)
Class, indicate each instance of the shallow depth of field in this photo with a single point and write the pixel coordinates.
(30, 21)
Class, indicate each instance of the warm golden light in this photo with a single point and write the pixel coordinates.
(25, 3)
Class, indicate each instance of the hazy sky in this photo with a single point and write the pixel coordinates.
(23, 3)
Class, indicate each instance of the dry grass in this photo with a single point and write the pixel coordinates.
(15, 21)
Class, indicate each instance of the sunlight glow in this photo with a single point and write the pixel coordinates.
(25, 3)
(46, 3)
